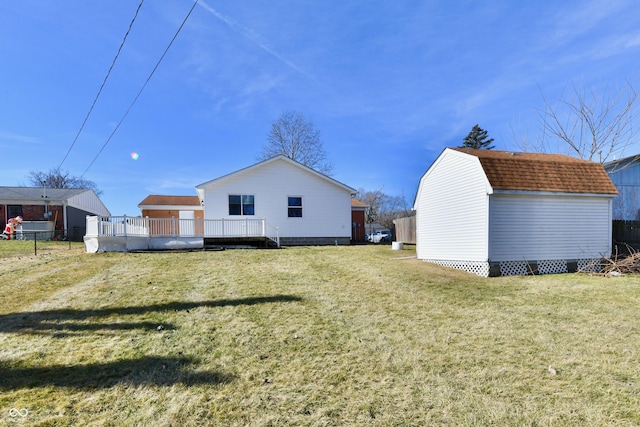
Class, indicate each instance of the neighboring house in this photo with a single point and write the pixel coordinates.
(162, 206)
(65, 208)
(183, 209)
(306, 207)
(625, 175)
(358, 220)
(503, 213)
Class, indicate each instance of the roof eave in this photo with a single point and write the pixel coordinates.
(552, 193)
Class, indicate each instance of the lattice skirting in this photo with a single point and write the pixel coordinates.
(479, 268)
(521, 268)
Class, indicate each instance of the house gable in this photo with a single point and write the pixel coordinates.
(252, 168)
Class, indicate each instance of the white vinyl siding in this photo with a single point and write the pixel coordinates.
(88, 201)
(548, 227)
(452, 210)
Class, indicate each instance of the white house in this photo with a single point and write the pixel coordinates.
(503, 213)
(305, 206)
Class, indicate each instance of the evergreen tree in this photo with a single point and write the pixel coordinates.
(477, 139)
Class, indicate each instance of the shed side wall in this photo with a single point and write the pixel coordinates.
(551, 227)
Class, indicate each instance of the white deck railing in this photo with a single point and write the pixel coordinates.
(175, 227)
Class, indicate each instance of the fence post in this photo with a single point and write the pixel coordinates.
(35, 246)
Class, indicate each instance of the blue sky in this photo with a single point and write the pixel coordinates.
(389, 84)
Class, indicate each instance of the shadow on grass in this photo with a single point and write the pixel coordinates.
(147, 370)
(50, 319)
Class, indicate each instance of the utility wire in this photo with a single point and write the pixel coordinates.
(141, 89)
(113, 63)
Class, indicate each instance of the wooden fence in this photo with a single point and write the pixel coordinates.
(406, 229)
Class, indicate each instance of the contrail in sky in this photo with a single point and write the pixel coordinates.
(260, 41)
(255, 38)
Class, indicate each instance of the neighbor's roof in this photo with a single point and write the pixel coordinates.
(507, 170)
(37, 193)
(162, 200)
(358, 204)
(617, 165)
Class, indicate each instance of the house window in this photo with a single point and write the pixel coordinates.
(295, 207)
(14, 211)
(241, 204)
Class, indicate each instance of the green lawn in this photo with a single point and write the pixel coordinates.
(309, 336)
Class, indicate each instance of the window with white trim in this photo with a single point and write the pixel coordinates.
(241, 204)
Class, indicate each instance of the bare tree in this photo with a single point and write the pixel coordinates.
(294, 136)
(56, 178)
(383, 208)
(593, 126)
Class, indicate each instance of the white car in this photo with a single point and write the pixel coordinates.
(379, 236)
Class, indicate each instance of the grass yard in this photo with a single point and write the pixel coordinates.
(309, 336)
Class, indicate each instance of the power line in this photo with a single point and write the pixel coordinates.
(113, 63)
(141, 89)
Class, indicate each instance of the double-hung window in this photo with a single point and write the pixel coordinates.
(295, 207)
(241, 204)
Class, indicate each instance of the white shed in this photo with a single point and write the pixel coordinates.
(307, 207)
(502, 213)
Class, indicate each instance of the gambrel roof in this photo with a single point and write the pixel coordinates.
(521, 171)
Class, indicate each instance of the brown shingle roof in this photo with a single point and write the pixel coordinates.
(542, 172)
(156, 199)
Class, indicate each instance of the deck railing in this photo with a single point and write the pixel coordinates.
(176, 227)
